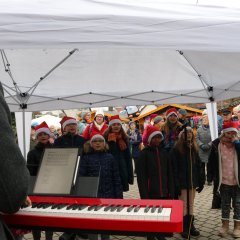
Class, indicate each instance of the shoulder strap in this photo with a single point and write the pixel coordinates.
(90, 129)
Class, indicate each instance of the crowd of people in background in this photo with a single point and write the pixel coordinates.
(171, 159)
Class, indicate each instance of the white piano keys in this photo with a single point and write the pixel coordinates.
(124, 214)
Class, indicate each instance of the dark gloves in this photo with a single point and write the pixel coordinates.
(200, 188)
(205, 147)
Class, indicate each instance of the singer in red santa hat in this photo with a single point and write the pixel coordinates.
(118, 143)
(34, 157)
(171, 128)
(154, 171)
(70, 137)
(98, 126)
(224, 170)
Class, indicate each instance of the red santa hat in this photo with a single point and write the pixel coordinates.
(97, 136)
(66, 121)
(151, 132)
(114, 119)
(229, 126)
(43, 127)
(171, 111)
(152, 116)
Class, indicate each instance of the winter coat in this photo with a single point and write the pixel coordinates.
(182, 177)
(154, 174)
(204, 142)
(102, 165)
(171, 136)
(34, 157)
(125, 166)
(214, 170)
(14, 175)
(69, 140)
(92, 130)
(134, 142)
(81, 126)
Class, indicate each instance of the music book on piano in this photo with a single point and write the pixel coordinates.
(57, 172)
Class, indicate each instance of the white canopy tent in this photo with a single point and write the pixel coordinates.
(79, 53)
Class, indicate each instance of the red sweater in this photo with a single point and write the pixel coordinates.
(91, 130)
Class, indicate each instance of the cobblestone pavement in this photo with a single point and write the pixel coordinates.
(207, 220)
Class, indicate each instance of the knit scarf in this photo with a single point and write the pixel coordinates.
(116, 137)
(98, 126)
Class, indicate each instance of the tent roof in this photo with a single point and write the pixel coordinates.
(133, 52)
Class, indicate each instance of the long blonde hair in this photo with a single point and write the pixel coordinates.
(192, 144)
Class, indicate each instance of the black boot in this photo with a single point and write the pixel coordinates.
(193, 231)
(67, 236)
(216, 202)
(186, 221)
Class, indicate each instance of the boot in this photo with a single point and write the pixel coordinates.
(48, 235)
(193, 231)
(223, 231)
(67, 236)
(236, 230)
(186, 222)
(36, 234)
(216, 202)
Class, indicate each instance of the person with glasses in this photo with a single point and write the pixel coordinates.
(97, 162)
(98, 126)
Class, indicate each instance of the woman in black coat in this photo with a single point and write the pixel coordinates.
(34, 157)
(119, 148)
(154, 171)
(189, 176)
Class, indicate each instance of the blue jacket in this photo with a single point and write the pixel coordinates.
(102, 164)
(134, 143)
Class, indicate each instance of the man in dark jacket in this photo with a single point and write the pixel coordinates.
(154, 171)
(70, 138)
(14, 175)
(34, 157)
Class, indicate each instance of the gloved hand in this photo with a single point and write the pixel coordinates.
(199, 189)
(205, 147)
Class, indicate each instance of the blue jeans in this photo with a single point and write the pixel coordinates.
(228, 194)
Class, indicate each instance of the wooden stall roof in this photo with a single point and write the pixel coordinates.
(165, 106)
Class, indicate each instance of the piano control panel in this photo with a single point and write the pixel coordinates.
(94, 214)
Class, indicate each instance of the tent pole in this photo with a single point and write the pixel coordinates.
(24, 134)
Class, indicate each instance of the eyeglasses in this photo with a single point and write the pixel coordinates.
(98, 141)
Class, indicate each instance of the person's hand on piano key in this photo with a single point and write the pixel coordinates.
(27, 202)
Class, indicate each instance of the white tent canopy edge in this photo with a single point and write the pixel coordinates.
(129, 53)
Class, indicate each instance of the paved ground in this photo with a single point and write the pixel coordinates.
(207, 220)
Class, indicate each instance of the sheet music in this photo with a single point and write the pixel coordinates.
(56, 172)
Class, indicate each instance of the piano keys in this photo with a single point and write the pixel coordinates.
(114, 216)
